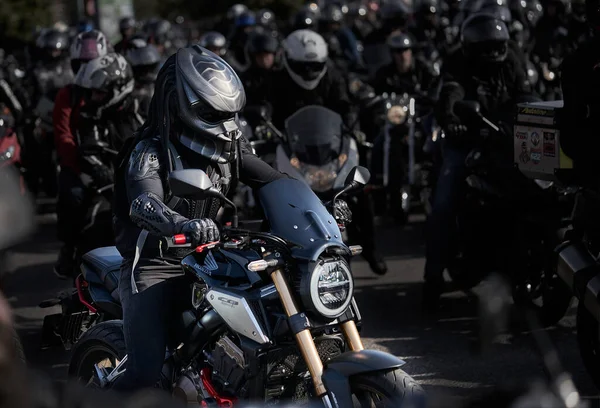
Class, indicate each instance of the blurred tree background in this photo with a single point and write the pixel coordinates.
(19, 18)
(199, 9)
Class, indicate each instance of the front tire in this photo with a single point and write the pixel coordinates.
(588, 337)
(393, 388)
(103, 344)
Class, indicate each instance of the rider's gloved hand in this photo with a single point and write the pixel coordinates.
(102, 175)
(201, 231)
(342, 213)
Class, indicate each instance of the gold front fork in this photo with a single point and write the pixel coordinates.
(304, 338)
(352, 337)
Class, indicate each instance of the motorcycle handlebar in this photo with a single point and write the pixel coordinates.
(185, 241)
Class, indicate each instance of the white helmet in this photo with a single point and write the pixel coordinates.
(305, 58)
(110, 74)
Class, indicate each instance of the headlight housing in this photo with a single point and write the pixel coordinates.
(319, 178)
(328, 289)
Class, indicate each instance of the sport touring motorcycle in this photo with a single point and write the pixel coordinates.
(316, 150)
(272, 314)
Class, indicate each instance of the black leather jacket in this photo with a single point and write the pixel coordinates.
(142, 191)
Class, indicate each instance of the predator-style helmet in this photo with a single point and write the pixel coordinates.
(305, 58)
(209, 96)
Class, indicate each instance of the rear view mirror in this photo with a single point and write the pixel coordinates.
(467, 109)
(358, 177)
(190, 183)
(193, 183)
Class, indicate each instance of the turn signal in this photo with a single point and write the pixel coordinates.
(258, 266)
(355, 250)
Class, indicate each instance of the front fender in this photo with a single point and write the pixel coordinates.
(337, 372)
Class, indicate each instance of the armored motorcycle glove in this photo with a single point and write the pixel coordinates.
(201, 231)
(342, 213)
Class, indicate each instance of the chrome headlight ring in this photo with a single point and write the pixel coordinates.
(331, 288)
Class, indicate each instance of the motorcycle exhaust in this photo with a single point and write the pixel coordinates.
(578, 268)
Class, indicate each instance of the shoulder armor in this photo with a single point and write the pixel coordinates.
(145, 159)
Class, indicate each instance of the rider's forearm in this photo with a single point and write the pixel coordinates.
(148, 212)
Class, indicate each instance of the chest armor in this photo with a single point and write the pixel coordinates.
(220, 175)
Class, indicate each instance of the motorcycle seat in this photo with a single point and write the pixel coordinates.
(102, 266)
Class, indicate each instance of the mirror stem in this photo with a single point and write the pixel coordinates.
(234, 219)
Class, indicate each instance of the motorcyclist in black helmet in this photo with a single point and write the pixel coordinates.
(217, 43)
(309, 78)
(263, 50)
(395, 15)
(577, 27)
(265, 19)
(343, 45)
(194, 124)
(245, 24)
(551, 32)
(158, 33)
(486, 71)
(127, 30)
(227, 23)
(406, 73)
(305, 19)
(359, 22)
(428, 30)
(52, 70)
(580, 79)
(145, 61)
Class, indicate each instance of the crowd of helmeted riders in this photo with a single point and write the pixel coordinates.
(70, 90)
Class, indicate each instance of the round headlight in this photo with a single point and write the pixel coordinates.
(331, 288)
(396, 115)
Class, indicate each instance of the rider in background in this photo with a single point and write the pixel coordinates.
(127, 30)
(483, 70)
(145, 60)
(238, 42)
(580, 80)
(342, 44)
(69, 101)
(217, 43)
(309, 78)
(263, 50)
(405, 74)
(266, 21)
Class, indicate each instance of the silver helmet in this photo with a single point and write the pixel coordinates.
(111, 76)
(214, 41)
(305, 58)
(209, 96)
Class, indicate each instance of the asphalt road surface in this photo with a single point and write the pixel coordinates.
(440, 353)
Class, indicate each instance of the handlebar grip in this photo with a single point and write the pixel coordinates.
(181, 239)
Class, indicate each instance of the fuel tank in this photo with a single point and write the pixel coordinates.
(219, 266)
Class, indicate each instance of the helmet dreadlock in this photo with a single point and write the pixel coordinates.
(162, 106)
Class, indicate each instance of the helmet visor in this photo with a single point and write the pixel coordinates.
(208, 114)
(493, 51)
(308, 70)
